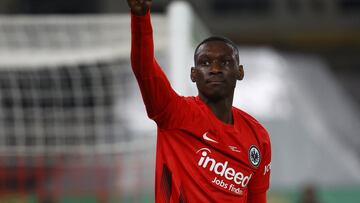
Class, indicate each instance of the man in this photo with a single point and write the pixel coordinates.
(207, 150)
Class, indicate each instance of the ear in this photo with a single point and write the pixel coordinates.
(193, 74)
(240, 75)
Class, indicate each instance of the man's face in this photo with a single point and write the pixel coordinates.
(216, 70)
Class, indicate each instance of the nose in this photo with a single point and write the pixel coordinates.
(215, 68)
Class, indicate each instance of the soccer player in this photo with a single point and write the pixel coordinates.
(207, 150)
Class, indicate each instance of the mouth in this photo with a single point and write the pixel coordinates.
(215, 81)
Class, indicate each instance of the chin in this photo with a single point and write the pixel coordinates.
(216, 96)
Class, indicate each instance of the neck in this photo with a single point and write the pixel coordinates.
(221, 108)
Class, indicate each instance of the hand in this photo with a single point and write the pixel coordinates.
(139, 7)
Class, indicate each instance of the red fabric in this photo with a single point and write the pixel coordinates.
(198, 157)
(257, 197)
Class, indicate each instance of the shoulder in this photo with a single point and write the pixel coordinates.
(260, 134)
(260, 131)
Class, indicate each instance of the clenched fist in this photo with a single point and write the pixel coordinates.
(139, 7)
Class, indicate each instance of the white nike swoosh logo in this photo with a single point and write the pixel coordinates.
(208, 138)
(233, 148)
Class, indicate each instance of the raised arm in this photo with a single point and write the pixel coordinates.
(154, 85)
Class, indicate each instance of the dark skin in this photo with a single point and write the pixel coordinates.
(139, 7)
(215, 73)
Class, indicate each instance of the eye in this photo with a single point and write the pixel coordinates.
(225, 62)
(204, 63)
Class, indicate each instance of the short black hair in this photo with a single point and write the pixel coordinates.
(218, 38)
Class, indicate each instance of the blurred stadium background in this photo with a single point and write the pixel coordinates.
(72, 123)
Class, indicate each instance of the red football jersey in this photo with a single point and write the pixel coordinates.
(198, 157)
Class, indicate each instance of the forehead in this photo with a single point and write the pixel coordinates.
(218, 48)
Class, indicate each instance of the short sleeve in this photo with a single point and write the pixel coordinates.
(261, 180)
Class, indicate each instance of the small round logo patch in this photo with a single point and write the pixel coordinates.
(254, 156)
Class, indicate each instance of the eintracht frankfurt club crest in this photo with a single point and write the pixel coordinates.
(254, 156)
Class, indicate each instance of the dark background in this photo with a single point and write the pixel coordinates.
(327, 28)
